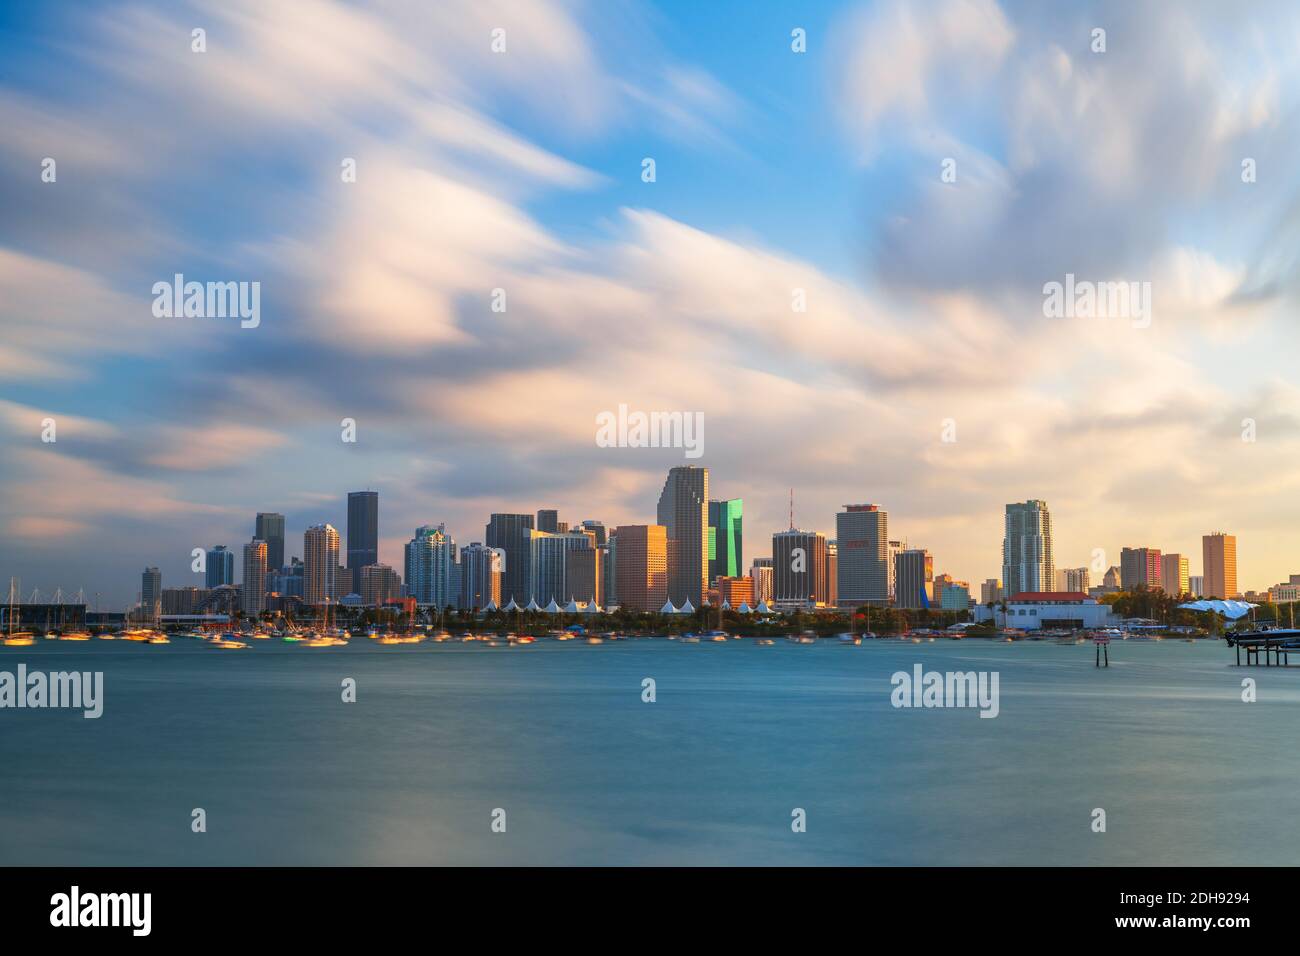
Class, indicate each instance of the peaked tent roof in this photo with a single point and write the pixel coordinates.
(687, 608)
(668, 608)
(552, 608)
(532, 605)
(512, 606)
(1229, 609)
(571, 607)
(744, 608)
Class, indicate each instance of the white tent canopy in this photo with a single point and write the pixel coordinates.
(687, 608)
(532, 605)
(591, 608)
(491, 606)
(668, 608)
(1229, 609)
(512, 606)
(744, 608)
(726, 605)
(552, 608)
(763, 608)
(571, 607)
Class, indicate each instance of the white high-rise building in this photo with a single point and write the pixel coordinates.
(320, 558)
(1027, 563)
(252, 593)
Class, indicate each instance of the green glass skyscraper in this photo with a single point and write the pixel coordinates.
(725, 553)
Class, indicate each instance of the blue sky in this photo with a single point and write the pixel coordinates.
(521, 170)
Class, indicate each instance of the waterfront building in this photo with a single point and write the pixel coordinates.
(220, 563)
(799, 568)
(1033, 611)
(1174, 574)
(480, 577)
(862, 539)
(320, 552)
(1139, 567)
(183, 600)
(955, 596)
(363, 534)
(991, 590)
(726, 555)
(269, 527)
(510, 533)
(641, 568)
(684, 511)
(379, 585)
(252, 593)
(1219, 556)
(1027, 558)
(914, 577)
(584, 575)
(431, 569)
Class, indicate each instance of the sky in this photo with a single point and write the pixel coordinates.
(919, 174)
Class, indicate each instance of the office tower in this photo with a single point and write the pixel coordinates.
(184, 600)
(288, 582)
(890, 564)
(431, 569)
(1219, 556)
(1076, 580)
(1174, 574)
(941, 581)
(1112, 578)
(480, 577)
(862, 539)
(955, 596)
(737, 591)
(1139, 568)
(832, 573)
(511, 534)
(379, 584)
(363, 534)
(252, 592)
(760, 572)
(151, 592)
(641, 568)
(684, 512)
(583, 575)
(726, 557)
(610, 572)
(991, 590)
(598, 529)
(799, 567)
(269, 527)
(914, 578)
(548, 561)
(1196, 585)
(221, 567)
(1027, 563)
(320, 553)
(548, 521)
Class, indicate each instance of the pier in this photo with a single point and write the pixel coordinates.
(1276, 646)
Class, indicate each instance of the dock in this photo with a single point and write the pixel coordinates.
(1276, 646)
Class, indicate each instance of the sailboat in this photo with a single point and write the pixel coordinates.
(16, 638)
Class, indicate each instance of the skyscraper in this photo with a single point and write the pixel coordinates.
(726, 555)
(1219, 557)
(684, 512)
(862, 537)
(151, 593)
(760, 572)
(1139, 568)
(480, 576)
(363, 533)
(269, 527)
(799, 567)
(914, 578)
(320, 553)
(220, 567)
(642, 566)
(252, 593)
(431, 569)
(1027, 563)
(548, 520)
(1175, 576)
(379, 583)
(510, 533)
(1077, 580)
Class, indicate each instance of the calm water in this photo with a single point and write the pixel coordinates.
(557, 735)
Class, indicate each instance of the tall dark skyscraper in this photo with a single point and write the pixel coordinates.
(363, 533)
(270, 528)
(684, 511)
(220, 567)
(548, 520)
(510, 533)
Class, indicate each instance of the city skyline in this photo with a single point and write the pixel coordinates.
(499, 273)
